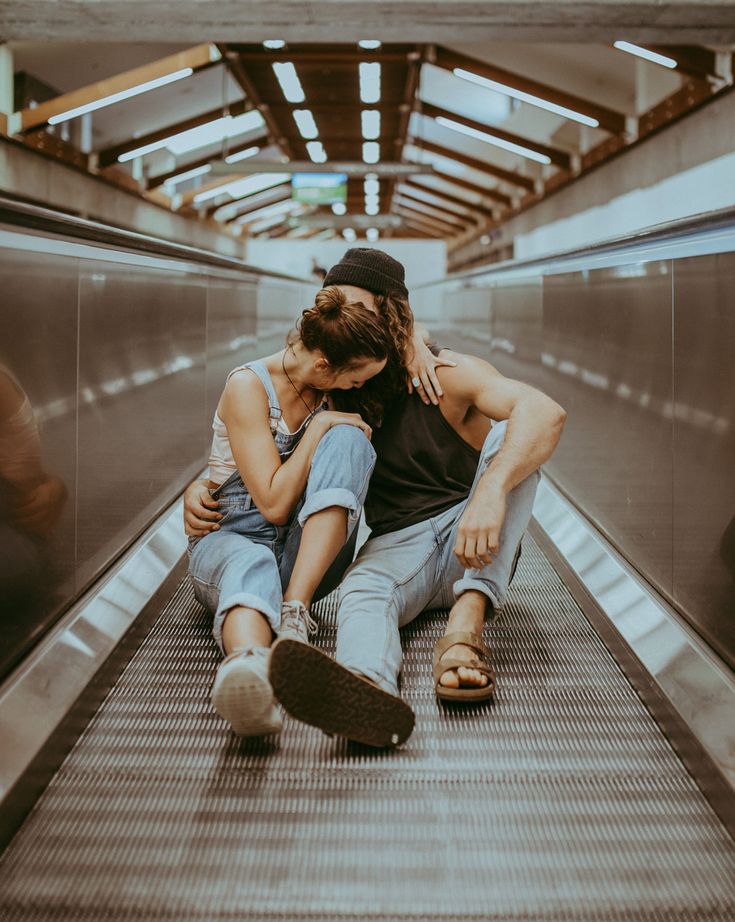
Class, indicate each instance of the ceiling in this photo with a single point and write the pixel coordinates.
(429, 119)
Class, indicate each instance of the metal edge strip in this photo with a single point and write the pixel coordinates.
(697, 685)
(38, 695)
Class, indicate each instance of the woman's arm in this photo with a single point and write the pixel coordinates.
(275, 486)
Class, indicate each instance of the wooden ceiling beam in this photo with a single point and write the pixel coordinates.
(446, 230)
(493, 194)
(454, 199)
(197, 58)
(241, 76)
(433, 219)
(558, 157)
(321, 55)
(695, 61)
(608, 119)
(516, 179)
(452, 217)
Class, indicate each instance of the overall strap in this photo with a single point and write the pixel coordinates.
(258, 368)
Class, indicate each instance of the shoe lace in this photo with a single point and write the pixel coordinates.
(296, 613)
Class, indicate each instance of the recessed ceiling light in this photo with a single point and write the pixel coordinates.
(369, 44)
(305, 123)
(369, 82)
(371, 151)
(316, 151)
(289, 80)
(274, 44)
(370, 119)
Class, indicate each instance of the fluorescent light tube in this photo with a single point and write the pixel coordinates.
(119, 97)
(316, 151)
(239, 188)
(242, 155)
(369, 81)
(526, 97)
(647, 55)
(371, 151)
(370, 124)
(188, 174)
(203, 135)
(491, 139)
(289, 80)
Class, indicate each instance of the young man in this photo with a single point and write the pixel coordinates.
(448, 503)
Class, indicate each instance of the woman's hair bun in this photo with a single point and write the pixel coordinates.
(330, 301)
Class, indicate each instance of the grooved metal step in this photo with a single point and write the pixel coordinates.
(559, 802)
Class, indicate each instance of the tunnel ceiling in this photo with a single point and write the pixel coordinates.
(437, 140)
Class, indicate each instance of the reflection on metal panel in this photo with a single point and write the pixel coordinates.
(231, 333)
(111, 349)
(141, 331)
(672, 656)
(704, 444)
(639, 351)
(38, 377)
(608, 332)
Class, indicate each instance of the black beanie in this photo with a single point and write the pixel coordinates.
(370, 269)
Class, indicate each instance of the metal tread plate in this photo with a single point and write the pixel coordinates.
(561, 801)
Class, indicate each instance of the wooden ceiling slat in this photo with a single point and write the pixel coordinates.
(198, 58)
(558, 157)
(455, 199)
(161, 178)
(516, 179)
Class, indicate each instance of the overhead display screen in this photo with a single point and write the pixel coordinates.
(319, 188)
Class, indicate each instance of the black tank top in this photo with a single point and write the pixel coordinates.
(424, 467)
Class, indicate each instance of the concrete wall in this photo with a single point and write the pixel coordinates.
(685, 170)
(33, 176)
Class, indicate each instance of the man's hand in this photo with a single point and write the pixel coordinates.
(200, 510)
(478, 535)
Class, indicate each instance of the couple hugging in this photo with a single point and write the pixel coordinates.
(445, 467)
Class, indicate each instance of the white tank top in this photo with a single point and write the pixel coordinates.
(221, 461)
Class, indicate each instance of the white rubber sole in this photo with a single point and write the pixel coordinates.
(242, 695)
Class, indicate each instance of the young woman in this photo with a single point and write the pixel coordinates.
(290, 475)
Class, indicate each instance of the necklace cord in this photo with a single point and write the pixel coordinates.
(298, 392)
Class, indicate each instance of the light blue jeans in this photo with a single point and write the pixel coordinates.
(249, 561)
(397, 576)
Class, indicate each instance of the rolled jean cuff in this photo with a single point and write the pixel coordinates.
(469, 582)
(246, 600)
(332, 496)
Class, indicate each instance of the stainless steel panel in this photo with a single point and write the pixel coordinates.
(38, 358)
(141, 378)
(607, 348)
(232, 324)
(704, 446)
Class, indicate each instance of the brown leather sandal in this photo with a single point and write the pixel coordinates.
(481, 662)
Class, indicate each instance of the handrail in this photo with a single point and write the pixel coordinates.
(38, 218)
(667, 232)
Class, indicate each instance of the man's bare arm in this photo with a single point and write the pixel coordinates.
(535, 423)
